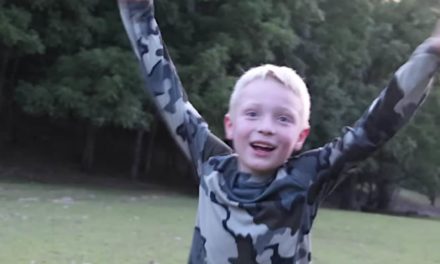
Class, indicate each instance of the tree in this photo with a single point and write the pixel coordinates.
(421, 165)
(97, 86)
(400, 27)
(17, 40)
(213, 42)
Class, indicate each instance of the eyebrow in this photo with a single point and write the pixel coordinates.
(287, 109)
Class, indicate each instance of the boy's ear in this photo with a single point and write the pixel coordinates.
(227, 121)
(302, 138)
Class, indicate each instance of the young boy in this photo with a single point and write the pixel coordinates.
(257, 205)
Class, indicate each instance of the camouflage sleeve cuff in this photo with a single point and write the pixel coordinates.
(428, 47)
(415, 76)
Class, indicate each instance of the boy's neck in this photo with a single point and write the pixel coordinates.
(257, 177)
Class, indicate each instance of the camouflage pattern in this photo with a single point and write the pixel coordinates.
(242, 219)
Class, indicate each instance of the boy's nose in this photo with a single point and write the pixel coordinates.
(266, 126)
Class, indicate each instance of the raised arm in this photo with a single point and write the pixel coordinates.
(161, 80)
(387, 114)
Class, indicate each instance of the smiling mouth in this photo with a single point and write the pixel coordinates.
(259, 146)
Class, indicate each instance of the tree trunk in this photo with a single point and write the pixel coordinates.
(348, 193)
(9, 103)
(89, 148)
(150, 148)
(385, 190)
(370, 196)
(385, 183)
(137, 154)
(432, 198)
(3, 67)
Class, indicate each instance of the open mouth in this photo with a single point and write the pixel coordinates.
(261, 146)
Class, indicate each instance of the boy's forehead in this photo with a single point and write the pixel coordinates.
(266, 86)
(259, 91)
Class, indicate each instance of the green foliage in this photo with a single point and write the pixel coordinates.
(213, 42)
(73, 76)
(400, 27)
(421, 163)
(16, 31)
(66, 24)
(73, 60)
(99, 85)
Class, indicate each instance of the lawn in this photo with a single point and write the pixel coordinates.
(43, 223)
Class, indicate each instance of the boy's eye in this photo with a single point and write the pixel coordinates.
(251, 113)
(285, 119)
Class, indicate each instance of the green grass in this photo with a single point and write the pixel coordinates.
(58, 224)
(348, 237)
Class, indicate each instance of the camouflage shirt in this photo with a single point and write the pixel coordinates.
(241, 219)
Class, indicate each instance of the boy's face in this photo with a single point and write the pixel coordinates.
(265, 126)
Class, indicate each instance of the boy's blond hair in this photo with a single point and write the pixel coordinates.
(285, 75)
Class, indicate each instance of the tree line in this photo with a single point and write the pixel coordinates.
(70, 61)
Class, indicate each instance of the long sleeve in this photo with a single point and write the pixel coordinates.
(390, 111)
(162, 82)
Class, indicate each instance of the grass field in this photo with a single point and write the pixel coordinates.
(57, 224)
